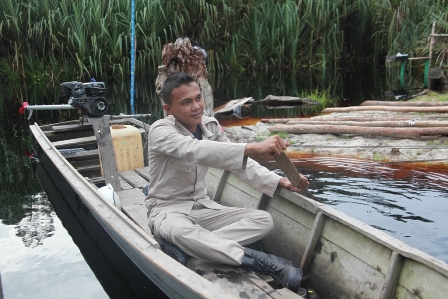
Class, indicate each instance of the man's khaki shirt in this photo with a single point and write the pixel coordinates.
(178, 165)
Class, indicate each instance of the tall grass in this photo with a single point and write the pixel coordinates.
(47, 41)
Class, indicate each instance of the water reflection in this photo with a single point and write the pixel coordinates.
(38, 223)
(56, 269)
(404, 200)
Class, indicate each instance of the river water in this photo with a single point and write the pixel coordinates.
(38, 258)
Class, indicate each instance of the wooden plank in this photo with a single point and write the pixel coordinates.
(75, 141)
(298, 199)
(64, 123)
(87, 154)
(220, 186)
(386, 240)
(292, 227)
(239, 194)
(229, 106)
(236, 280)
(72, 127)
(144, 172)
(133, 178)
(263, 202)
(340, 276)
(420, 281)
(262, 284)
(211, 181)
(125, 185)
(371, 253)
(133, 205)
(315, 234)
(392, 276)
(291, 173)
(88, 168)
(138, 215)
(288, 168)
(103, 135)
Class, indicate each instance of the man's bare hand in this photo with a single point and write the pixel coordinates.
(285, 183)
(272, 146)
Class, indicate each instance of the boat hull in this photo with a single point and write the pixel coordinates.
(116, 272)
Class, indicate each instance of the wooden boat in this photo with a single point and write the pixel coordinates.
(343, 257)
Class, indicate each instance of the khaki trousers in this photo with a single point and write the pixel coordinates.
(215, 235)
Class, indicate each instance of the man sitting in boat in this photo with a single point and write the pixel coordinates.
(181, 148)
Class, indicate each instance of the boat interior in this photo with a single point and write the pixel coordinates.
(341, 256)
(76, 142)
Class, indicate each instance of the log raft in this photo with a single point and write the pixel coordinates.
(387, 108)
(413, 120)
(409, 132)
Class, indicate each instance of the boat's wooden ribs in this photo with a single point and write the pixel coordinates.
(392, 276)
(222, 181)
(315, 234)
(76, 141)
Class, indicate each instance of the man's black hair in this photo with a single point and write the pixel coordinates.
(174, 81)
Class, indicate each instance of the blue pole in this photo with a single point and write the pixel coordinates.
(132, 54)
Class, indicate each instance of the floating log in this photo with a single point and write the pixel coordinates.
(318, 119)
(405, 123)
(326, 119)
(278, 120)
(232, 105)
(403, 104)
(181, 56)
(386, 108)
(401, 133)
(288, 101)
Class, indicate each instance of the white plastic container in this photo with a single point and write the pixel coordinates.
(127, 141)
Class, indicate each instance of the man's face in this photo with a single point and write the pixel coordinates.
(187, 105)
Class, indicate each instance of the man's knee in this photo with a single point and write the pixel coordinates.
(269, 222)
(170, 226)
(264, 220)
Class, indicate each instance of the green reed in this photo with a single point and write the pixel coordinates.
(51, 41)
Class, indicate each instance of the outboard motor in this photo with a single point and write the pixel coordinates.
(88, 97)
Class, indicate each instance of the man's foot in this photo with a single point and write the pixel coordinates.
(278, 268)
(173, 251)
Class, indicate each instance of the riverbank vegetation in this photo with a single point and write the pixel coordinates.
(45, 42)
